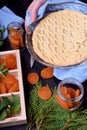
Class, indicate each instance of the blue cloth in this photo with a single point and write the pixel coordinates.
(7, 16)
(43, 8)
(78, 71)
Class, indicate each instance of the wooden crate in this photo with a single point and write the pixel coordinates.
(19, 118)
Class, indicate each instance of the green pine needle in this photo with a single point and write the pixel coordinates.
(48, 115)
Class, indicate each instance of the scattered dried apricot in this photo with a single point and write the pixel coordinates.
(47, 73)
(44, 93)
(33, 78)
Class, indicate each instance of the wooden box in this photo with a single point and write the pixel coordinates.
(19, 118)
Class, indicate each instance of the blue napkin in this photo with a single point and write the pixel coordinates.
(7, 16)
(78, 72)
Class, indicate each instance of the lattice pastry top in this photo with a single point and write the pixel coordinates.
(61, 38)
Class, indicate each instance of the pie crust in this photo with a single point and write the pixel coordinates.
(61, 38)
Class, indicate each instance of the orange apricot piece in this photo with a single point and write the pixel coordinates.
(21, 41)
(47, 72)
(71, 91)
(70, 103)
(17, 36)
(3, 89)
(14, 33)
(13, 30)
(77, 93)
(14, 88)
(44, 93)
(1, 61)
(8, 87)
(13, 41)
(67, 95)
(61, 102)
(10, 61)
(9, 79)
(63, 90)
(33, 78)
(14, 47)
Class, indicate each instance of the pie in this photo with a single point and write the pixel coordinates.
(60, 38)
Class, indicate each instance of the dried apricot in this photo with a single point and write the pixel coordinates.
(14, 88)
(66, 97)
(16, 38)
(47, 72)
(69, 102)
(12, 30)
(33, 78)
(3, 88)
(77, 93)
(44, 93)
(14, 41)
(71, 91)
(1, 61)
(8, 79)
(63, 90)
(60, 102)
(10, 82)
(14, 33)
(10, 61)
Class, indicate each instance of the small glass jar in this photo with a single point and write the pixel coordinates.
(15, 35)
(70, 93)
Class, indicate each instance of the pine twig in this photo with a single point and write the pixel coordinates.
(80, 122)
(38, 128)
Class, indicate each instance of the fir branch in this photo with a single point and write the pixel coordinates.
(38, 128)
(76, 120)
(48, 115)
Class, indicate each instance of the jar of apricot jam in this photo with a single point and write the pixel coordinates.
(70, 93)
(15, 35)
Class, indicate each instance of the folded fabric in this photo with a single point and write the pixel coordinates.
(43, 8)
(7, 16)
(7, 10)
(78, 71)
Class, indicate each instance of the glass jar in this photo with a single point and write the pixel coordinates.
(15, 35)
(70, 93)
